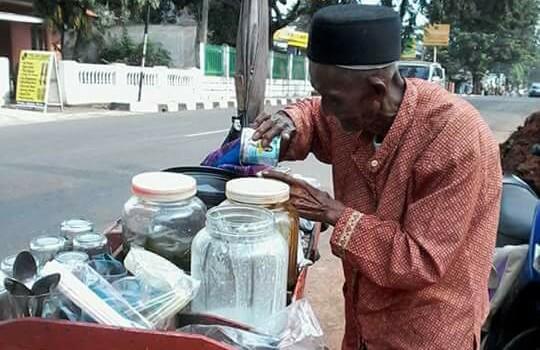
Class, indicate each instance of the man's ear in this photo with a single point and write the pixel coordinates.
(377, 85)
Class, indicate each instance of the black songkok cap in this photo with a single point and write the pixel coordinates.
(355, 36)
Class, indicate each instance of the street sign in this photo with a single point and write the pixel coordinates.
(37, 81)
(436, 35)
(292, 37)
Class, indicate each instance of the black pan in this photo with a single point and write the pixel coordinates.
(210, 182)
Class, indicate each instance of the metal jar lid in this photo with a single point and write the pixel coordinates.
(74, 227)
(47, 243)
(89, 241)
(72, 258)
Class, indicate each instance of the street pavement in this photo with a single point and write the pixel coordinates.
(82, 168)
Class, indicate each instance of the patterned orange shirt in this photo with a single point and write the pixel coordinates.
(418, 235)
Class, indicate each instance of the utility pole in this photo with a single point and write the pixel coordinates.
(145, 44)
(203, 30)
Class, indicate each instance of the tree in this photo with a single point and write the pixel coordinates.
(64, 15)
(487, 35)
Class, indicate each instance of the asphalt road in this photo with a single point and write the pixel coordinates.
(58, 170)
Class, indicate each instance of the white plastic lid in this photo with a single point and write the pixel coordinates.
(163, 186)
(257, 191)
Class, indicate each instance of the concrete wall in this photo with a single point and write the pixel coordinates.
(180, 41)
(98, 83)
(4, 81)
(21, 39)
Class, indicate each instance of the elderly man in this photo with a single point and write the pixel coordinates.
(417, 185)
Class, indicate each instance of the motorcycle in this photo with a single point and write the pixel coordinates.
(514, 322)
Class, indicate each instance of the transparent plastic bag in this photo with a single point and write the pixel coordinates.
(96, 297)
(159, 289)
(297, 327)
(240, 339)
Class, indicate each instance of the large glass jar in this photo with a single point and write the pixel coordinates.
(241, 261)
(164, 215)
(274, 196)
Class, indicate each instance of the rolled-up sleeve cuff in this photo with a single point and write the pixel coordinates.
(345, 227)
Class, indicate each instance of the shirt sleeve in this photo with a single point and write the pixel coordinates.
(313, 131)
(417, 250)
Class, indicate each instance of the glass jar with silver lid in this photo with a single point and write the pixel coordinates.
(44, 248)
(91, 243)
(73, 227)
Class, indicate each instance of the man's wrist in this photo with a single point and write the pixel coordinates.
(334, 212)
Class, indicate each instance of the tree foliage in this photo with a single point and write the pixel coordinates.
(124, 50)
(487, 36)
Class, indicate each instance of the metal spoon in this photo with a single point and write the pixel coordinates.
(41, 288)
(45, 284)
(21, 294)
(16, 288)
(24, 267)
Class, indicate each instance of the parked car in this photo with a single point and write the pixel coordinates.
(534, 91)
(430, 71)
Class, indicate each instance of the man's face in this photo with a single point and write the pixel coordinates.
(347, 96)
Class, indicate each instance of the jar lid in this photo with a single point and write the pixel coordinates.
(163, 186)
(90, 240)
(253, 190)
(71, 258)
(76, 226)
(47, 243)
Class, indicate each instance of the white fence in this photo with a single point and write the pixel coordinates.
(4, 81)
(119, 83)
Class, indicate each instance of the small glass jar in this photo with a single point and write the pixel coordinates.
(44, 248)
(74, 227)
(72, 258)
(274, 196)
(164, 215)
(93, 244)
(6, 266)
(241, 261)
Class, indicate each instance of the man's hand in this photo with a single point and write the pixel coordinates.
(269, 126)
(311, 203)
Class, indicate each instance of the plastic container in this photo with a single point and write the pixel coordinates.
(44, 248)
(93, 244)
(272, 195)
(164, 215)
(253, 153)
(241, 261)
(74, 227)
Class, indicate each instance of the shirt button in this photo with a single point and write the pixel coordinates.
(374, 163)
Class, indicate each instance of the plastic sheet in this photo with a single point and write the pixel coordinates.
(295, 328)
(95, 296)
(159, 290)
(238, 338)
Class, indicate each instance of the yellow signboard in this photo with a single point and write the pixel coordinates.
(436, 35)
(292, 37)
(33, 77)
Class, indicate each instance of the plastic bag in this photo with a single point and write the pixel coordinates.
(160, 289)
(238, 338)
(297, 327)
(95, 296)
